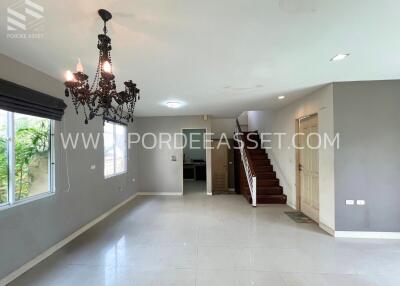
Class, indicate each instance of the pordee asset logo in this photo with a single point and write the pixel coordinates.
(25, 20)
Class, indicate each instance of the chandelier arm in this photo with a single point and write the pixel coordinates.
(99, 98)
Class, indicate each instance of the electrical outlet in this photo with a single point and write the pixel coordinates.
(361, 202)
(350, 202)
(92, 167)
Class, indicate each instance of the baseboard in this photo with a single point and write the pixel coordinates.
(159, 194)
(367, 234)
(326, 228)
(291, 206)
(15, 274)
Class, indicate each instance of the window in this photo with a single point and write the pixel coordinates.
(25, 157)
(115, 149)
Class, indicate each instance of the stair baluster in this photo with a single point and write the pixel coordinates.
(248, 166)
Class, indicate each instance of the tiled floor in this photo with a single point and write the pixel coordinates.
(220, 240)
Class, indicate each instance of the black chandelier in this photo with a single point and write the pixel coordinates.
(101, 97)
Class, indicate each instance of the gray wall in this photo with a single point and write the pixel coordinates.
(367, 165)
(28, 230)
(223, 127)
(158, 173)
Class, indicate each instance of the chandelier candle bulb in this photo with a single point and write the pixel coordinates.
(79, 66)
(107, 67)
(69, 76)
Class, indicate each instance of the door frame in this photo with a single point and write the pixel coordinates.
(208, 162)
(298, 177)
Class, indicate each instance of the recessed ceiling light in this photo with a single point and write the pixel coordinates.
(339, 57)
(174, 104)
(281, 97)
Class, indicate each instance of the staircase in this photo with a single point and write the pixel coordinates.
(258, 178)
(268, 189)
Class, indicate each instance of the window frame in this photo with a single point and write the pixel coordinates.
(11, 202)
(114, 174)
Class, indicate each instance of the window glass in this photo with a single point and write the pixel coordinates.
(3, 158)
(32, 155)
(120, 148)
(115, 149)
(108, 149)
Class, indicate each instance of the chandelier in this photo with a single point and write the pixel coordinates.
(101, 99)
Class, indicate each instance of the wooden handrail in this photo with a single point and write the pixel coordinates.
(238, 126)
(250, 171)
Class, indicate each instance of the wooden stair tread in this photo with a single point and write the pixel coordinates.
(269, 199)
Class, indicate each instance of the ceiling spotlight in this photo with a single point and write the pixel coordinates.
(339, 57)
(281, 97)
(174, 104)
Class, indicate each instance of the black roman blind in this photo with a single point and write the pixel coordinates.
(17, 98)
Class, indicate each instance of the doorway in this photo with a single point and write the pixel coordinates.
(308, 166)
(194, 162)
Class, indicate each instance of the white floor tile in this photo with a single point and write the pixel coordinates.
(220, 240)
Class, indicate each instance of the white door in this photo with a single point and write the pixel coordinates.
(308, 167)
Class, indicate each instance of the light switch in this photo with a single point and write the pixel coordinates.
(360, 202)
(92, 167)
(350, 202)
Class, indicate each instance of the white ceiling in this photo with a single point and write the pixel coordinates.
(220, 57)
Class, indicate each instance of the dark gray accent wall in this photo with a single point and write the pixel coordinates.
(367, 165)
(28, 230)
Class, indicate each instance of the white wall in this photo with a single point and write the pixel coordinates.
(157, 172)
(243, 118)
(243, 121)
(284, 159)
(261, 121)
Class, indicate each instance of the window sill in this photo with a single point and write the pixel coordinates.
(115, 175)
(26, 200)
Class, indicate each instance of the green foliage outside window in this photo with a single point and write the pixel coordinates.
(31, 144)
(3, 170)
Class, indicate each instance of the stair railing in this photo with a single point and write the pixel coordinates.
(247, 164)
